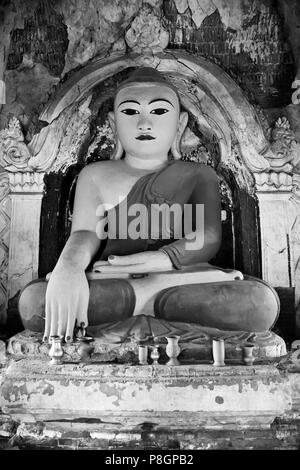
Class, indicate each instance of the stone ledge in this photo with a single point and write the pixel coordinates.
(70, 434)
(193, 395)
(119, 343)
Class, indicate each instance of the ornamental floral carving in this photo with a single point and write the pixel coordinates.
(284, 154)
(4, 242)
(14, 153)
(26, 182)
(146, 34)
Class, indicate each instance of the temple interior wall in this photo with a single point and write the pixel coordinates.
(43, 44)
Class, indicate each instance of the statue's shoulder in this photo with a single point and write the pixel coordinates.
(197, 169)
(98, 170)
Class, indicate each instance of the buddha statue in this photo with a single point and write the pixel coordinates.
(145, 226)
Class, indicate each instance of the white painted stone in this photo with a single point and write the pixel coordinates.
(276, 238)
(24, 240)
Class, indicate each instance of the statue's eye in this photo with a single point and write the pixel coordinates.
(159, 111)
(130, 111)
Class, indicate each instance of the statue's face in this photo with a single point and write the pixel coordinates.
(147, 118)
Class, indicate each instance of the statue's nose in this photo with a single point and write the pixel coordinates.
(144, 124)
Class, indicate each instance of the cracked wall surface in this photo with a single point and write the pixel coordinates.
(42, 42)
(246, 38)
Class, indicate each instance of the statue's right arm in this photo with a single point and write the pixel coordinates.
(67, 293)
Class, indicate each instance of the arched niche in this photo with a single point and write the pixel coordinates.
(218, 109)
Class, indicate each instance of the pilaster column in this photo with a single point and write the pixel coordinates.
(275, 213)
(26, 192)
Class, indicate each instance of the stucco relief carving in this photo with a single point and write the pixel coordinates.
(273, 181)
(56, 147)
(284, 154)
(26, 182)
(14, 153)
(146, 34)
(4, 242)
(76, 130)
(284, 158)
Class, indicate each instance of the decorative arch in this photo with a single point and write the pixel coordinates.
(216, 101)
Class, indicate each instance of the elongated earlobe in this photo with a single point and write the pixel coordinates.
(175, 148)
(118, 150)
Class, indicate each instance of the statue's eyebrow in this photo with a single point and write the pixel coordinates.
(161, 99)
(150, 102)
(129, 101)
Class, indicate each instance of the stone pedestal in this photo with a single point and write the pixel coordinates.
(117, 406)
(125, 396)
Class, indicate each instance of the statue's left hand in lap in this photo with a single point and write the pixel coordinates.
(145, 262)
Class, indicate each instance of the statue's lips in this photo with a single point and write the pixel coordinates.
(145, 137)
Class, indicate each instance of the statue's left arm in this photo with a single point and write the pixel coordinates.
(198, 246)
(203, 242)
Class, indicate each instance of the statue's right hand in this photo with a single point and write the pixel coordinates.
(67, 299)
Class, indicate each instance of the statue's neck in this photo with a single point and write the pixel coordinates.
(145, 164)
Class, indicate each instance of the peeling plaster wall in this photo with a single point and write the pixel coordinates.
(245, 38)
(45, 40)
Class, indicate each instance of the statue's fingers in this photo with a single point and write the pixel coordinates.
(47, 321)
(82, 316)
(70, 324)
(100, 263)
(136, 258)
(114, 269)
(62, 324)
(135, 268)
(54, 320)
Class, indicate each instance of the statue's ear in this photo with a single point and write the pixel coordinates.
(183, 120)
(118, 150)
(112, 121)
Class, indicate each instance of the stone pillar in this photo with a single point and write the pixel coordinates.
(278, 192)
(276, 248)
(26, 192)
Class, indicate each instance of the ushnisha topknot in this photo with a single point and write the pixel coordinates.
(147, 75)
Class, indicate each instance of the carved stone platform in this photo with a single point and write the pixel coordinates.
(187, 396)
(119, 342)
(113, 402)
(189, 406)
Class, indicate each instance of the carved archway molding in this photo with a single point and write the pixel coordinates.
(220, 109)
(215, 100)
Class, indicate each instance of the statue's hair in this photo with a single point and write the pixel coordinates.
(147, 75)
